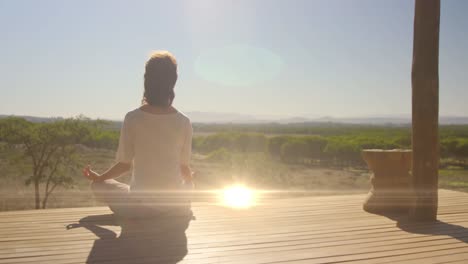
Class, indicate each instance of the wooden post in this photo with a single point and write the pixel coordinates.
(425, 110)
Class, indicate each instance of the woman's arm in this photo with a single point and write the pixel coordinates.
(186, 154)
(113, 172)
(124, 156)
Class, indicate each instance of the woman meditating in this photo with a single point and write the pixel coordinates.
(155, 140)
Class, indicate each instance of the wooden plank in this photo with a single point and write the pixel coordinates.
(268, 244)
(323, 232)
(274, 228)
(440, 256)
(304, 223)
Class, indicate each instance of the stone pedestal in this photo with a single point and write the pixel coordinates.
(391, 180)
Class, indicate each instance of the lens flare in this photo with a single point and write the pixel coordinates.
(238, 65)
(238, 197)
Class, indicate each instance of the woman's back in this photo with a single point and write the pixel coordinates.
(157, 144)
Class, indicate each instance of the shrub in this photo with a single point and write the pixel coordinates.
(219, 155)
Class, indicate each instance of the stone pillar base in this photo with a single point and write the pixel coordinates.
(391, 191)
(387, 202)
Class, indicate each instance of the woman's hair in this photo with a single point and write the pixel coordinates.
(160, 79)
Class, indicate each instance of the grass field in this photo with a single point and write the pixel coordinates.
(255, 170)
(454, 178)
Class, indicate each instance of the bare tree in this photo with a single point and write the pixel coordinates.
(51, 150)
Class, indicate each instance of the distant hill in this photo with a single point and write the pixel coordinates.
(211, 117)
(444, 120)
(207, 117)
(35, 118)
(221, 118)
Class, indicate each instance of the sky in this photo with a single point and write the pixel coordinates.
(259, 57)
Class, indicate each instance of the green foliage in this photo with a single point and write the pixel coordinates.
(252, 142)
(293, 150)
(46, 153)
(240, 142)
(323, 129)
(454, 147)
(275, 144)
(51, 149)
(219, 155)
(102, 135)
(303, 148)
(328, 144)
(339, 150)
(454, 179)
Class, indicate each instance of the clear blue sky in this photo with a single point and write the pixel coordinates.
(286, 58)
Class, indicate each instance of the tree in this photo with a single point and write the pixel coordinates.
(249, 142)
(49, 147)
(315, 146)
(274, 145)
(294, 150)
(344, 151)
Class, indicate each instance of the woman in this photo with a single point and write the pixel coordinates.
(156, 139)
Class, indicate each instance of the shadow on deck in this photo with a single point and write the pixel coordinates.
(161, 241)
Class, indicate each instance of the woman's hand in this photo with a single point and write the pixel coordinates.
(90, 174)
(187, 173)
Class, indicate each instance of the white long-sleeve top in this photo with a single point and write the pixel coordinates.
(157, 144)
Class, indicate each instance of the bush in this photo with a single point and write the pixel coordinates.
(343, 152)
(338, 145)
(293, 150)
(241, 142)
(219, 155)
(274, 145)
(454, 147)
(251, 142)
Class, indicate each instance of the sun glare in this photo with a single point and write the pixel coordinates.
(238, 197)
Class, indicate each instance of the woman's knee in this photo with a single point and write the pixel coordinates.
(109, 186)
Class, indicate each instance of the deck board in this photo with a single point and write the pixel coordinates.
(329, 229)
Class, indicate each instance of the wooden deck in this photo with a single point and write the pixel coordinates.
(298, 230)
